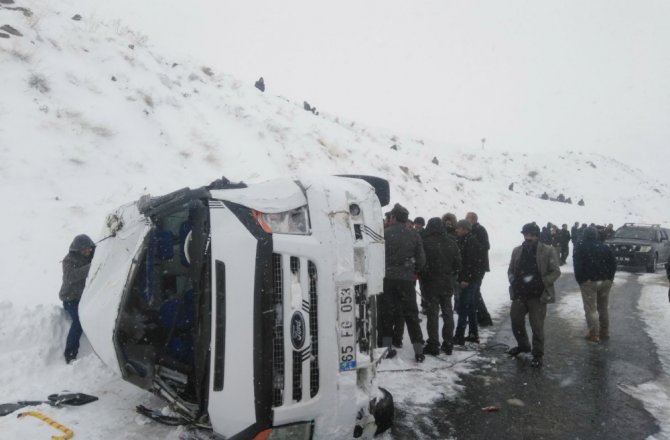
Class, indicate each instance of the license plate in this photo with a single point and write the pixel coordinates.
(346, 323)
(623, 259)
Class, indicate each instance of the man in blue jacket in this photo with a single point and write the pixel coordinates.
(76, 265)
(595, 266)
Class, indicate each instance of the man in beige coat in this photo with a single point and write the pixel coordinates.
(532, 271)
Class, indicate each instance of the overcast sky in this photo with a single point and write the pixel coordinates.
(526, 75)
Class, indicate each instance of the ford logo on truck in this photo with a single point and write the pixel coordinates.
(297, 330)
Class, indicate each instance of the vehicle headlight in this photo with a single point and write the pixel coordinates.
(295, 221)
(645, 248)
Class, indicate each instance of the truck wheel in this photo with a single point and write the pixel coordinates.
(383, 411)
(654, 263)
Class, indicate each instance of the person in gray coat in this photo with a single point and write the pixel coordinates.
(76, 265)
(404, 259)
(443, 260)
(532, 272)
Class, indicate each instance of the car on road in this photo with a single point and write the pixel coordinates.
(637, 245)
(250, 309)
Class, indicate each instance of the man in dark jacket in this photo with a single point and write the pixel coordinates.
(76, 265)
(450, 221)
(404, 259)
(595, 266)
(575, 234)
(564, 239)
(667, 271)
(469, 278)
(479, 231)
(443, 259)
(532, 271)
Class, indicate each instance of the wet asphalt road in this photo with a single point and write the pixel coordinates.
(575, 395)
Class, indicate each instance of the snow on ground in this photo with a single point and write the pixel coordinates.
(92, 117)
(655, 310)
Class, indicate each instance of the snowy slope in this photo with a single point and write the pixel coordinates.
(92, 117)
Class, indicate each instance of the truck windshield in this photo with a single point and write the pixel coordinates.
(636, 233)
(157, 336)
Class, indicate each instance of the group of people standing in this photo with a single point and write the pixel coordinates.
(560, 238)
(448, 257)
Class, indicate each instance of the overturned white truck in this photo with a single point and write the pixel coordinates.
(251, 309)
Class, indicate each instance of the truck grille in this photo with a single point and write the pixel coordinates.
(278, 334)
(362, 318)
(302, 363)
(314, 331)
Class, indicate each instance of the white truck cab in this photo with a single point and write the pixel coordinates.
(250, 309)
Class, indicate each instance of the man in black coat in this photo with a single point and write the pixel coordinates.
(564, 240)
(469, 279)
(575, 233)
(404, 259)
(667, 271)
(76, 265)
(443, 259)
(479, 231)
(595, 266)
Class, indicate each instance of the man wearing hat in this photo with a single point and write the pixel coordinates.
(404, 259)
(532, 272)
(76, 265)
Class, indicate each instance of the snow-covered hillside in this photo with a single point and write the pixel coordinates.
(91, 117)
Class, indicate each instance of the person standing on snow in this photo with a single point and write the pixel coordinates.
(482, 236)
(565, 243)
(532, 272)
(469, 278)
(404, 259)
(76, 265)
(595, 266)
(443, 259)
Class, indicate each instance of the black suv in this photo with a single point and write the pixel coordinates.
(640, 245)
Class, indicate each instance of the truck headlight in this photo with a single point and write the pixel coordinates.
(645, 248)
(295, 221)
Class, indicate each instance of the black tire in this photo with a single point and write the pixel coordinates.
(383, 411)
(654, 262)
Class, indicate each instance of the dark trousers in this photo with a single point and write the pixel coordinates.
(467, 310)
(436, 302)
(399, 300)
(73, 336)
(565, 251)
(398, 329)
(483, 316)
(536, 312)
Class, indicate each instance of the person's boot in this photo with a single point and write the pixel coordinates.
(447, 348)
(592, 338)
(70, 356)
(432, 350)
(418, 352)
(536, 362)
(459, 340)
(390, 351)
